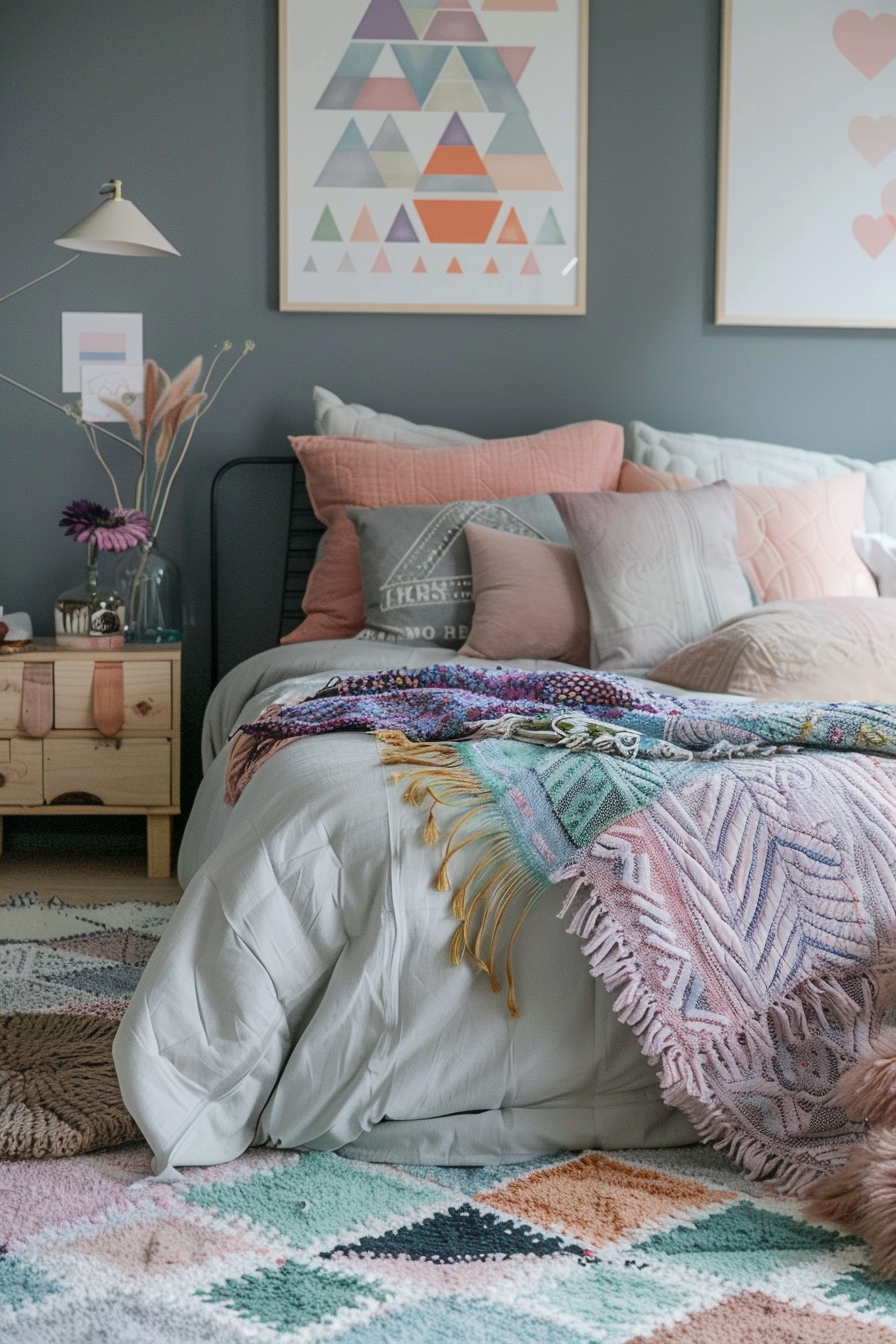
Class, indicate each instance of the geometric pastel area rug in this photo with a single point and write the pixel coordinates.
(67, 973)
(671, 1246)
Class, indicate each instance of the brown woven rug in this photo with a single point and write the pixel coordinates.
(58, 1091)
(66, 975)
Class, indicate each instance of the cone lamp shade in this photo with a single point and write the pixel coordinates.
(119, 228)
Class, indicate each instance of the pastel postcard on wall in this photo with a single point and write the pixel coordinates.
(92, 339)
(807, 180)
(433, 155)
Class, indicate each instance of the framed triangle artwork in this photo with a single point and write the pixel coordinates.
(433, 156)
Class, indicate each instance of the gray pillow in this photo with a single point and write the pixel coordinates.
(660, 570)
(415, 563)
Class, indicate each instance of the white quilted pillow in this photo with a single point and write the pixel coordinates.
(746, 462)
(335, 417)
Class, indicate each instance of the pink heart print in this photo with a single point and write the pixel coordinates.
(875, 235)
(870, 44)
(873, 139)
(888, 200)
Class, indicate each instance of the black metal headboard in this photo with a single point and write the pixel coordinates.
(291, 546)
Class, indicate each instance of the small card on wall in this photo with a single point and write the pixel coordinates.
(121, 382)
(91, 339)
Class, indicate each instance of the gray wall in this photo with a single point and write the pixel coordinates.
(179, 99)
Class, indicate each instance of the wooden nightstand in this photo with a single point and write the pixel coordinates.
(64, 765)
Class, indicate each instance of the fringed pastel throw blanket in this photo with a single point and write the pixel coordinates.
(737, 891)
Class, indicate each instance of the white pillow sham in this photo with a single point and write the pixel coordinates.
(335, 417)
(879, 553)
(747, 462)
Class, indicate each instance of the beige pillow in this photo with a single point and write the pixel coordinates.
(816, 648)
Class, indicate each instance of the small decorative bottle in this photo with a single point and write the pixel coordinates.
(90, 616)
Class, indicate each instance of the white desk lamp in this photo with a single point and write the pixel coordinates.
(115, 227)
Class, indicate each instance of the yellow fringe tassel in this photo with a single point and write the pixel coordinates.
(496, 881)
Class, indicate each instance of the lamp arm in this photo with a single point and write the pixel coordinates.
(37, 279)
(67, 410)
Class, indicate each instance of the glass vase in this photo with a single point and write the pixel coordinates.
(90, 616)
(150, 582)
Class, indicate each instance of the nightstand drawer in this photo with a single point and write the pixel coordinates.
(21, 772)
(108, 771)
(147, 694)
(10, 693)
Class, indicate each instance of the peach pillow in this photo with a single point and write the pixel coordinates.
(792, 540)
(366, 473)
(528, 597)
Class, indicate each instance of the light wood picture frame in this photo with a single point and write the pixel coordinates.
(807, 165)
(433, 156)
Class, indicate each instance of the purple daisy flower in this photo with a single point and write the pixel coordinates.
(110, 529)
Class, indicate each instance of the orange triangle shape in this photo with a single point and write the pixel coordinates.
(512, 231)
(530, 266)
(491, 268)
(455, 161)
(365, 230)
(454, 267)
(420, 268)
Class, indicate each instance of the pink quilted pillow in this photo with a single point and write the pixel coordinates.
(369, 473)
(528, 597)
(792, 540)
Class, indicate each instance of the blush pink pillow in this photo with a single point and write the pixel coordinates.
(792, 540)
(369, 473)
(528, 599)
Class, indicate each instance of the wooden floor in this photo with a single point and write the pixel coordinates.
(82, 879)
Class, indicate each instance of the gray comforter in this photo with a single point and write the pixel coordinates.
(302, 994)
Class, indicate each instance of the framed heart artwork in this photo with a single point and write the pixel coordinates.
(807, 165)
(432, 155)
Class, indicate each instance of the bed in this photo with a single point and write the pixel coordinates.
(302, 995)
(329, 867)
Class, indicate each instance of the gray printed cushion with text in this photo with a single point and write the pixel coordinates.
(415, 563)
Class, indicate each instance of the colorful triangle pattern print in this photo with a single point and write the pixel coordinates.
(454, 156)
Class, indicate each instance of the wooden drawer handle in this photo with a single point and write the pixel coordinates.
(37, 698)
(76, 799)
(108, 697)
